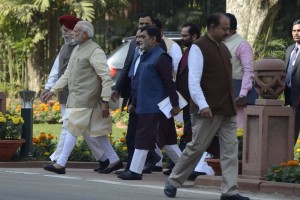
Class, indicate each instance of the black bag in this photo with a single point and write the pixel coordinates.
(252, 94)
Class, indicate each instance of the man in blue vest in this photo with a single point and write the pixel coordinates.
(153, 82)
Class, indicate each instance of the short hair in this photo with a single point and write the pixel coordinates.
(194, 28)
(296, 22)
(214, 19)
(152, 31)
(233, 21)
(158, 23)
(87, 27)
(145, 14)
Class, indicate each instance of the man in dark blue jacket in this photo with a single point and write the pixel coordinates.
(152, 82)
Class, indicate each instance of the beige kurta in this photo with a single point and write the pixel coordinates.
(87, 120)
(83, 113)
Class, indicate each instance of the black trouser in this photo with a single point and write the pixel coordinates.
(130, 137)
(297, 124)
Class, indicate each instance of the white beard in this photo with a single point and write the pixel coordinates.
(68, 40)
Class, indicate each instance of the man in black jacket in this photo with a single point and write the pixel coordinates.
(292, 88)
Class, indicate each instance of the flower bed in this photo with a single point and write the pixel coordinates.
(285, 172)
(42, 113)
(10, 127)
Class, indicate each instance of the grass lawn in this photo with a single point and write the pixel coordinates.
(54, 129)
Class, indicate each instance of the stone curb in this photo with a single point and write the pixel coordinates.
(39, 164)
(253, 185)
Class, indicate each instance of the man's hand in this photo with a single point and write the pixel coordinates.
(206, 113)
(175, 111)
(130, 109)
(41, 95)
(298, 103)
(105, 109)
(241, 101)
(46, 96)
(114, 95)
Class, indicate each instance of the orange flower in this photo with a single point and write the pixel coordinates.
(277, 170)
(124, 133)
(293, 163)
(35, 140)
(283, 164)
(125, 108)
(42, 135)
(122, 139)
(117, 111)
(50, 137)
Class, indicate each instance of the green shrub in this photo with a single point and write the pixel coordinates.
(285, 172)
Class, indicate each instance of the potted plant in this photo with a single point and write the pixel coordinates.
(214, 151)
(10, 135)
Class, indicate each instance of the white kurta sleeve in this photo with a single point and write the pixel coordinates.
(53, 76)
(195, 63)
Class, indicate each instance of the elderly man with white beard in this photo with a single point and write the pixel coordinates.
(87, 111)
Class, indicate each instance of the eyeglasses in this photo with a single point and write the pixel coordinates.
(182, 35)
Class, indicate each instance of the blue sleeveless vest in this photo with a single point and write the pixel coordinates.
(150, 88)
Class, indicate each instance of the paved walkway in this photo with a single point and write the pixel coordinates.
(252, 187)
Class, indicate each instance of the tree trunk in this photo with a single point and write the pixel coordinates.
(254, 17)
(35, 64)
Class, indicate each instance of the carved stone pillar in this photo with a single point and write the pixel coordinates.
(268, 126)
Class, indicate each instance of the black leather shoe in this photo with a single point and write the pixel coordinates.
(147, 169)
(112, 167)
(170, 190)
(234, 197)
(121, 171)
(51, 168)
(152, 159)
(102, 165)
(157, 169)
(167, 172)
(52, 162)
(194, 175)
(129, 175)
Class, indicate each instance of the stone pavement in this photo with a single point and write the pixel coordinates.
(247, 184)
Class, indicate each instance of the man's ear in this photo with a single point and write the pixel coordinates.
(194, 36)
(153, 39)
(211, 26)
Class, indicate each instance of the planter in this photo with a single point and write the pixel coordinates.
(216, 165)
(8, 148)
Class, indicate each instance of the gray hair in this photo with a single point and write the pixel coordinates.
(86, 27)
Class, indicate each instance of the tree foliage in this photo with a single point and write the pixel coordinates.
(30, 35)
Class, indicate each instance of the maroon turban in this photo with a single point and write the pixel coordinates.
(69, 21)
